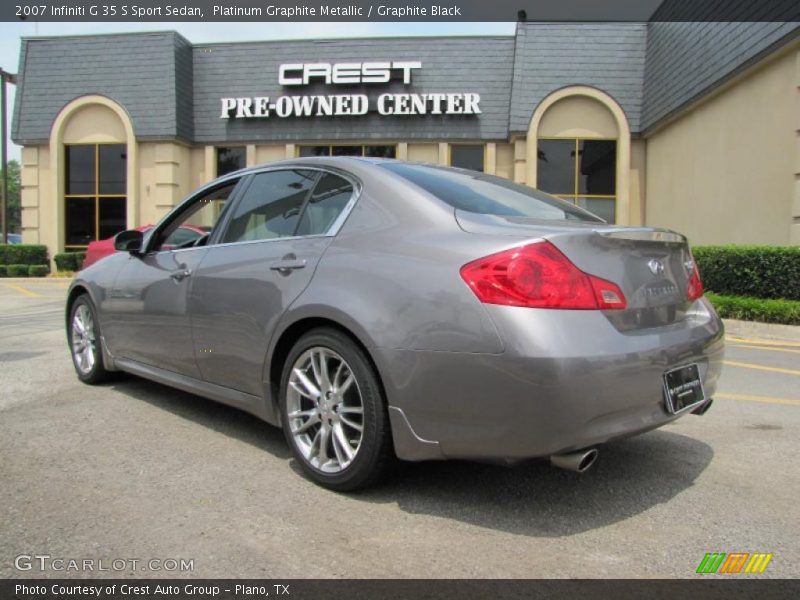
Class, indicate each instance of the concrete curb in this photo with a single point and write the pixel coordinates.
(762, 331)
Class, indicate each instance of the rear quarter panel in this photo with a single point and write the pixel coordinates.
(394, 271)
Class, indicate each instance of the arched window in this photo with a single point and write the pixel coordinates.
(581, 148)
(93, 146)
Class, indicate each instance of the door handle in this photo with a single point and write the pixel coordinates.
(287, 265)
(180, 275)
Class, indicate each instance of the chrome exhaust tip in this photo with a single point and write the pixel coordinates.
(703, 408)
(575, 461)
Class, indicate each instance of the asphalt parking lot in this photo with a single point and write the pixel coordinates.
(133, 469)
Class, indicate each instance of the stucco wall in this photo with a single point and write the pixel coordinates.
(197, 160)
(423, 152)
(638, 179)
(94, 124)
(725, 172)
(578, 116)
(36, 196)
(165, 179)
(505, 161)
(270, 153)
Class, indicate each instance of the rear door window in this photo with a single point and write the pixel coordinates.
(327, 201)
(271, 206)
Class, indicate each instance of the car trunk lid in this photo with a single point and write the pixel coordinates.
(651, 266)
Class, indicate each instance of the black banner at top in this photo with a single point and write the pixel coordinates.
(399, 10)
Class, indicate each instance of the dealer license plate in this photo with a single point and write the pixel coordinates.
(683, 388)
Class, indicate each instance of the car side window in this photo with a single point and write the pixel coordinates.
(195, 222)
(270, 206)
(185, 234)
(327, 201)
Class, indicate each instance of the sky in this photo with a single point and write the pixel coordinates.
(10, 34)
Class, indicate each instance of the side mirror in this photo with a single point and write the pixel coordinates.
(129, 241)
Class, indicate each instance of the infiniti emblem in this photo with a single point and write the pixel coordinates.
(656, 266)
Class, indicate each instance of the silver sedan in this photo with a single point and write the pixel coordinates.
(379, 309)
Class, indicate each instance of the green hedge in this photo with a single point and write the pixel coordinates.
(753, 271)
(38, 270)
(23, 254)
(69, 261)
(756, 309)
(24, 270)
(17, 270)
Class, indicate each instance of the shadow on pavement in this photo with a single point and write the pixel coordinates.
(21, 355)
(213, 415)
(536, 499)
(532, 499)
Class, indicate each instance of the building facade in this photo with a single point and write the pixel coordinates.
(690, 126)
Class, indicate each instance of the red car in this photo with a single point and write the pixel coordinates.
(102, 248)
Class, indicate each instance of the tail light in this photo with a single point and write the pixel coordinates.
(539, 276)
(695, 288)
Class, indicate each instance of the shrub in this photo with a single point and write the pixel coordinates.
(756, 309)
(17, 270)
(63, 261)
(69, 261)
(38, 270)
(23, 254)
(3, 271)
(752, 271)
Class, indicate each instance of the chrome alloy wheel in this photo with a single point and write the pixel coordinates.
(84, 341)
(325, 410)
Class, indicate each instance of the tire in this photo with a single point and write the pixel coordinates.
(83, 335)
(320, 412)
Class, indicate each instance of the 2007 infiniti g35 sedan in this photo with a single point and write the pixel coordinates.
(376, 309)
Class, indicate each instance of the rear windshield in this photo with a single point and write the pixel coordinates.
(488, 195)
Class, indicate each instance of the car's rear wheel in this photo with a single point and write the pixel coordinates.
(333, 412)
(83, 333)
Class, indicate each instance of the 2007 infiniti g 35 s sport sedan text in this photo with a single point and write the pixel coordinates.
(375, 308)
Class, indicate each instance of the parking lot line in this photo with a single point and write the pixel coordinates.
(739, 340)
(765, 399)
(760, 367)
(22, 290)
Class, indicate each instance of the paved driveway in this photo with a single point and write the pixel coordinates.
(135, 470)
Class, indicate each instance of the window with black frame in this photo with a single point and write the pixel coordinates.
(230, 159)
(581, 171)
(375, 150)
(95, 193)
(467, 156)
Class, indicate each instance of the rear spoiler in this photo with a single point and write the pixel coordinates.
(643, 234)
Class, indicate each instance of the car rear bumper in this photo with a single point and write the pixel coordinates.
(567, 380)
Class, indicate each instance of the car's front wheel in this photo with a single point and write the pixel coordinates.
(83, 334)
(333, 412)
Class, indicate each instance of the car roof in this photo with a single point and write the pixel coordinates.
(319, 161)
